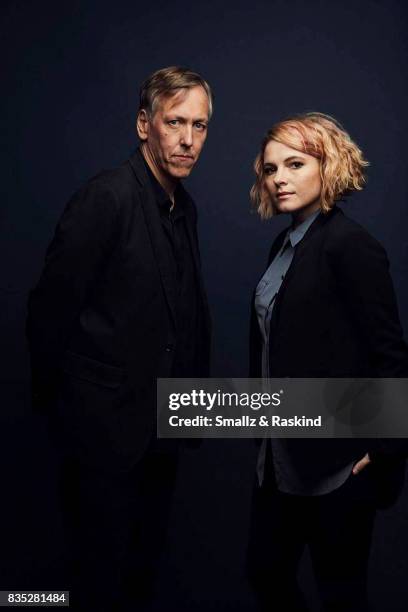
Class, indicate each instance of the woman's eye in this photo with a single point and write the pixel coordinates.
(269, 171)
(296, 164)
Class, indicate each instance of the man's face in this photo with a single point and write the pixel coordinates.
(175, 135)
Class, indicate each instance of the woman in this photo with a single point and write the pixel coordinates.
(325, 307)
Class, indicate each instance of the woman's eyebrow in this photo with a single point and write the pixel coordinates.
(294, 157)
(288, 159)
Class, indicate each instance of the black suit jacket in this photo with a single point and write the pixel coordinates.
(336, 315)
(102, 320)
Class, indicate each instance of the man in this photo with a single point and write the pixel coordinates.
(120, 303)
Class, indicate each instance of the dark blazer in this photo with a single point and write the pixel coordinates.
(102, 319)
(335, 316)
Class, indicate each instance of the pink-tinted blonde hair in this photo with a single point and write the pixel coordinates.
(341, 161)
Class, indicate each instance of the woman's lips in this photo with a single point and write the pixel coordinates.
(284, 194)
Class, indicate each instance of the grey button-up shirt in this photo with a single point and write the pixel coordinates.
(287, 479)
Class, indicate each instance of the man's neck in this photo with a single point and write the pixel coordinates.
(169, 185)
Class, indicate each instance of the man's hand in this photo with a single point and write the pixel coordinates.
(360, 465)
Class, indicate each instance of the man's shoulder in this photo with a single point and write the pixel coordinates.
(109, 192)
(120, 180)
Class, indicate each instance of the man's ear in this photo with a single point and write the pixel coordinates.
(142, 125)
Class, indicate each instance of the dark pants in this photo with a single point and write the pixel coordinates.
(337, 527)
(116, 526)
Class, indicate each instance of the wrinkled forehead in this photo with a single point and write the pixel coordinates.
(172, 98)
(195, 97)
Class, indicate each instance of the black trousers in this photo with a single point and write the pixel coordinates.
(337, 527)
(116, 525)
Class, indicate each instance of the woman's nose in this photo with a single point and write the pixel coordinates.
(280, 176)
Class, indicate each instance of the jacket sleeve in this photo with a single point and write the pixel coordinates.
(74, 260)
(362, 273)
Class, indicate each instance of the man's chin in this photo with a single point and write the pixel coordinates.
(180, 172)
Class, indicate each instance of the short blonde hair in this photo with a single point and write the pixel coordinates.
(341, 161)
(166, 82)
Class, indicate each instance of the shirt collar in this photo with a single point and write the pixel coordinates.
(162, 197)
(296, 235)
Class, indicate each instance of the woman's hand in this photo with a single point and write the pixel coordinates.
(360, 465)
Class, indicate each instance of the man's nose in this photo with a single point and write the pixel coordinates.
(187, 136)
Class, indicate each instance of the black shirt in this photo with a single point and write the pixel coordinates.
(188, 309)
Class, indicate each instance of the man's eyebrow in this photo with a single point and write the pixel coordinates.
(171, 117)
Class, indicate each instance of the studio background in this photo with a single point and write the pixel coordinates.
(71, 75)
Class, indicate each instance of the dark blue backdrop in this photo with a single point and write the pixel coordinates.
(71, 73)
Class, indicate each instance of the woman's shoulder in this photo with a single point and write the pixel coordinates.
(344, 233)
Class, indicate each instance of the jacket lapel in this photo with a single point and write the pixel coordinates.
(154, 226)
(276, 246)
(193, 240)
(300, 250)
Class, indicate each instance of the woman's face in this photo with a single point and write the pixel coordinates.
(292, 180)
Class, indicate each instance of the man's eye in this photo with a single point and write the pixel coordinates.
(173, 122)
(200, 126)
